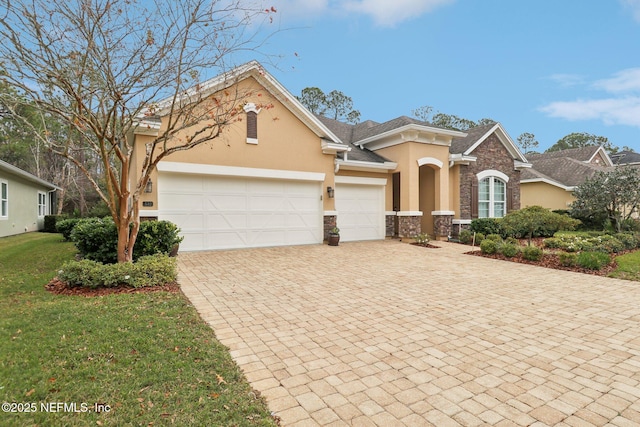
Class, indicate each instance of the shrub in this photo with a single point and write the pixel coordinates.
(81, 273)
(489, 247)
(66, 226)
(628, 240)
(422, 239)
(494, 237)
(96, 239)
(149, 270)
(593, 260)
(532, 253)
(466, 236)
(486, 226)
(50, 222)
(536, 221)
(607, 244)
(512, 240)
(553, 243)
(567, 259)
(479, 238)
(509, 250)
(156, 237)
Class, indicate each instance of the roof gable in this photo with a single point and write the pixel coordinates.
(589, 154)
(477, 135)
(276, 89)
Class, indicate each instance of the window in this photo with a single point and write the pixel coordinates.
(252, 123)
(42, 204)
(4, 199)
(492, 197)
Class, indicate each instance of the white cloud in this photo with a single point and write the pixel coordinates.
(621, 105)
(385, 13)
(388, 13)
(611, 111)
(567, 80)
(623, 81)
(633, 6)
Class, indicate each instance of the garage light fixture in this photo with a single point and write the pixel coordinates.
(331, 192)
(149, 187)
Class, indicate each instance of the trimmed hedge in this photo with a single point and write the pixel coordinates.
(150, 270)
(486, 226)
(51, 221)
(66, 226)
(532, 253)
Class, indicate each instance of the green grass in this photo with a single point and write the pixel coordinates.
(628, 266)
(148, 356)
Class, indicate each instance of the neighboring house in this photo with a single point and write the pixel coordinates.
(24, 200)
(554, 176)
(283, 176)
(626, 158)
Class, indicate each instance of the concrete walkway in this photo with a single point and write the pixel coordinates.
(386, 333)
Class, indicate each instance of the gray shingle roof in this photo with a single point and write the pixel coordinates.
(345, 132)
(565, 170)
(460, 145)
(583, 154)
(625, 157)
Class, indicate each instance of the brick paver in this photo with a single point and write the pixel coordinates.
(386, 333)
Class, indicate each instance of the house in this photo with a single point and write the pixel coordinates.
(283, 176)
(551, 180)
(24, 200)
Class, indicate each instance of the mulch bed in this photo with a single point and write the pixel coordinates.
(58, 287)
(427, 245)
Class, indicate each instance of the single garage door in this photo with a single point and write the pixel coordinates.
(225, 212)
(360, 211)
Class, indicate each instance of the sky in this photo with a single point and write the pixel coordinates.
(547, 67)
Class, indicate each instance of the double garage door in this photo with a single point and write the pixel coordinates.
(226, 212)
(218, 211)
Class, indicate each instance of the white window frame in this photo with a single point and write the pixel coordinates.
(4, 202)
(492, 176)
(42, 204)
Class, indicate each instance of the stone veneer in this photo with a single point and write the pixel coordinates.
(409, 226)
(442, 226)
(330, 221)
(491, 154)
(391, 225)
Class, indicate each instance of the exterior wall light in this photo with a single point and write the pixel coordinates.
(331, 192)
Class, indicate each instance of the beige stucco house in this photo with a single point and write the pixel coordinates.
(283, 176)
(25, 199)
(551, 180)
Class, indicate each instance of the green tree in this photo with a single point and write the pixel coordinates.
(613, 195)
(536, 221)
(582, 139)
(334, 105)
(527, 141)
(447, 121)
(99, 67)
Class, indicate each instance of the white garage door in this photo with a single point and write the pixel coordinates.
(225, 212)
(360, 211)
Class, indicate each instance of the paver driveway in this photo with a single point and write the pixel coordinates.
(385, 333)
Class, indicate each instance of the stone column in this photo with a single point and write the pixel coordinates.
(409, 223)
(442, 224)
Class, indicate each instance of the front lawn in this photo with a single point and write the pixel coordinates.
(146, 357)
(628, 267)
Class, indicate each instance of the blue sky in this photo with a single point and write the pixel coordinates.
(547, 67)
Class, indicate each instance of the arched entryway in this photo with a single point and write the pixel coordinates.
(429, 191)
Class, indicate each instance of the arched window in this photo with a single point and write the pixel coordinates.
(252, 122)
(491, 194)
(492, 197)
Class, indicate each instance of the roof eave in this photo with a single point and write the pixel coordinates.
(26, 175)
(355, 165)
(423, 134)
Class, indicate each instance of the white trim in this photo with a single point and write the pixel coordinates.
(148, 212)
(360, 180)
(355, 165)
(329, 147)
(548, 181)
(330, 213)
(3, 217)
(492, 172)
(430, 161)
(390, 213)
(462, 221)
(443, 213)
(44, 206)
(250, 106)
(253, 141)
(409, 213)
(608, 160)
(518, 165)
(202, 169)
(461, 159)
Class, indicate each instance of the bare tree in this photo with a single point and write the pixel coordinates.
(101, 65)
